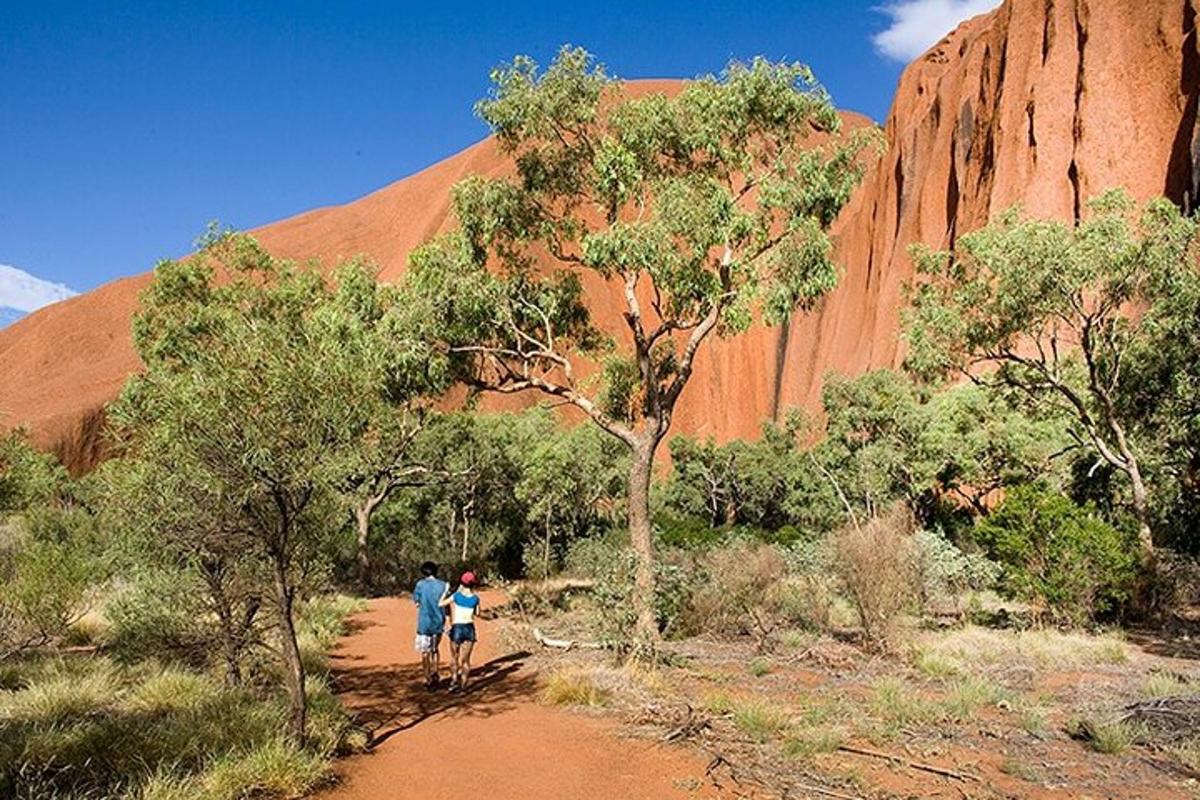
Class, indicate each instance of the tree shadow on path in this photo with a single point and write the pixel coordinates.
(390, 699)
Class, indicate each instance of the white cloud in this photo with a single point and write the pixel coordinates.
(917, 24)
(24, 292)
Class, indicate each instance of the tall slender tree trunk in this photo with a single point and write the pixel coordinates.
(466, 537)
(546, 552)
(1141, 510)
(230, 645)
(293, 666)
(641, 535)
(362, 523)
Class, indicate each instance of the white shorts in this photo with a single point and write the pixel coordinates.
(428, 644)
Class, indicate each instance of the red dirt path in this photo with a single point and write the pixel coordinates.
(497, 741)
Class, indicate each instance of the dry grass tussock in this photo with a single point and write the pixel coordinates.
(982, 651)
(574, 686)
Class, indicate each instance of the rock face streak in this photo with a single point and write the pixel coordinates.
(1041, 102)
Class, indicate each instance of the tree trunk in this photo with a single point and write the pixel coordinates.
(293, 666)
(230, 647)
(641, 536)
(362, 522)
(1141, 510)
(546, 553)
(466, 537)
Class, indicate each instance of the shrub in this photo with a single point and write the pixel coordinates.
(172, 689)
(877, 565)
(943, 569)
(610, 562)
(60, 696)
(273, 769)
(806, 743)
(156, 614)
(759, 720)
(1059, 556)
(1108, 736)
(320, 622)
(740, 591)
(43, 588)
(813, 585)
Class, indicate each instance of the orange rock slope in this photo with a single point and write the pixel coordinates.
(1041, 102)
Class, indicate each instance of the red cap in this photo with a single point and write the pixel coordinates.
(467, 579)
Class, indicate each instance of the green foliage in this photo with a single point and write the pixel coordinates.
(637, 186)
(28, 477)
(44, 588)
(97, 730)
(571, 483)
(161, 614)
(705, 205)
(945, 570)
(51, 559)
(874, 451)
(1059, 555)
(754, 484)
(257, 392)
(85, 726)
(1044, 303)
(611, 563)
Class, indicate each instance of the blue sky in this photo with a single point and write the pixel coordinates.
(124, 128)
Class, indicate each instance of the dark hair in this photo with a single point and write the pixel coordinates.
(429, 569)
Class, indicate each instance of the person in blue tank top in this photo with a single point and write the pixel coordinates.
(463, 605)
(431, 620)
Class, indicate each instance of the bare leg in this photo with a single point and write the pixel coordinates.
(427, 667)
(464, 668)
(454, 675)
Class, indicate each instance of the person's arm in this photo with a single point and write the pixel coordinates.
(415, 597)
(447, 598)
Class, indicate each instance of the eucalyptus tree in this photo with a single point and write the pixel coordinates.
(1054, 311)
(701, 208)
(249, 391)
(570, 483)
(394, 400)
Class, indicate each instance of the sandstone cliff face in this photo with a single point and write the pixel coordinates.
(1045, 103)
(1041, 102)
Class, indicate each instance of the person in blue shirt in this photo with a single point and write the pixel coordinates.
(431, 620)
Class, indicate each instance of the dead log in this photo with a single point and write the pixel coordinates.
(936, 770)
(564, 644)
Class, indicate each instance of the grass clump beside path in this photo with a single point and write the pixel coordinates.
(84, 726)
(574, 687)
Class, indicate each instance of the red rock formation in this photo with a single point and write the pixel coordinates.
(1041, 102)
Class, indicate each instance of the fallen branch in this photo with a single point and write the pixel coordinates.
(804, 787)
(936, 770)
(564, 644)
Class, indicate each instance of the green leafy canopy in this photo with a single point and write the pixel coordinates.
(704, 205)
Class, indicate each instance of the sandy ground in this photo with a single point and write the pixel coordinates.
(497, 741)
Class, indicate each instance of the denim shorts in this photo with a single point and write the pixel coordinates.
(462, 633)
